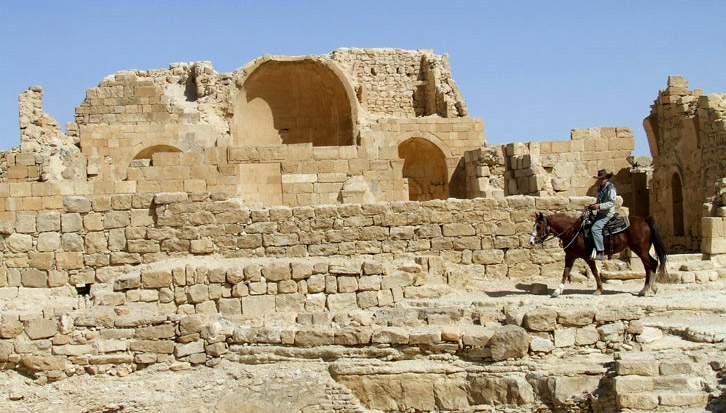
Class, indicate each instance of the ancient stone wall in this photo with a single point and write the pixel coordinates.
(560, 168)
(686, 133)
(92, 238)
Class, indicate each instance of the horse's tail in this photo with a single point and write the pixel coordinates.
(657, 240)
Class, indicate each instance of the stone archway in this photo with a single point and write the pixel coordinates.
(148, 152)
(425, 167)
(293, 101)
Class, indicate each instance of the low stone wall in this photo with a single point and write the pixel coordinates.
(190, 316)
(98, 237)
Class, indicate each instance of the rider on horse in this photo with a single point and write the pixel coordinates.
(606, 209)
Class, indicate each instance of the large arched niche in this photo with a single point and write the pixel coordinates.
(294, 101)
(424, 164)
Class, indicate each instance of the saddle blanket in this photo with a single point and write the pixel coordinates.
(616, 225)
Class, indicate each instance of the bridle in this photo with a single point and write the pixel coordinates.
(546, 234)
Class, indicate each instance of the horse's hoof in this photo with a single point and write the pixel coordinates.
(597, 292)
(555, 294)
(641, 293)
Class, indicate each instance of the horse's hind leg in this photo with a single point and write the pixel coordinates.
(569, 260)
(593, 267)
(650, 264)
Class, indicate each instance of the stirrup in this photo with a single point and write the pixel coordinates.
(600, 256)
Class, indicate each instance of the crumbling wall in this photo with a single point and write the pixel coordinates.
(686, 133)
(402, 83)
(45, 153)
(553, 168)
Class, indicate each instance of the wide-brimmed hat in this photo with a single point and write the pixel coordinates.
(603, 174)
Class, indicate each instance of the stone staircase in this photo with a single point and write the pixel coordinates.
(681, 269)
(663, 382)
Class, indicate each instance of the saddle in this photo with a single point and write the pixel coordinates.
(615, 225)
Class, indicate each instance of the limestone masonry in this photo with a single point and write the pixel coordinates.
(344, 213)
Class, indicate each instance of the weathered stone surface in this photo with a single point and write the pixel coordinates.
(44, 363)
(576, 317)
(541, 345)
(509, 342)
(156, 279)
(314, 337)
(540, 319)
(41, 328)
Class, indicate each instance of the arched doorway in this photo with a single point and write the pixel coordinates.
(287, 102)
(677, 197)
(425, 167)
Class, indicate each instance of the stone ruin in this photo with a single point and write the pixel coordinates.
(345, 209)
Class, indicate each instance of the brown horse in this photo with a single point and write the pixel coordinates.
(639, 236)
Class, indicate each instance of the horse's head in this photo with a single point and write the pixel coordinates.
(541, 229)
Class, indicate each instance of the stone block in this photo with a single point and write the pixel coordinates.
(612, 332)
(540, 319)
(565, 337)
(342, 302)
(76, 204)
(509, 342)
(347, 284)
(314, 337)
(258, 306)
(586, 336)
(367, 299)
(31, 277)
(69, 260)
(48, 221)
(644, 367)
(477, 336)
(39, 328)
(294, 303)
(155, 332)
(19, 242)
(389, 335)
(637, 401)
(44, 363)
(152, 346)
(202, 246)
(198, 293)
(353, 336)
(156, 279)
(541, 345)
(575, 317)
(277, 272)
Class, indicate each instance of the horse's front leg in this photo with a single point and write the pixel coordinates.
(569, 261)
(593, 267)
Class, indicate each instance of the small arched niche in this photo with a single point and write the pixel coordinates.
(424, 164)
(288, 102)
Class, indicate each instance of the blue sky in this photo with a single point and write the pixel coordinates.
(531, 69)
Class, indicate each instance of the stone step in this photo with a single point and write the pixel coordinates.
(663, 401)
(697, 266)
(674, 258)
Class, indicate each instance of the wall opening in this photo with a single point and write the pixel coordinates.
(677, 197)
(150, 151)
(288, 102)
(424, 164)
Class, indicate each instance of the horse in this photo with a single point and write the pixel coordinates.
(639, 236)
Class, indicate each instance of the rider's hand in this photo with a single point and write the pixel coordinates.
(595, 206)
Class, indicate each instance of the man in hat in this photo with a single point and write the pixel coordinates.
(605, 207)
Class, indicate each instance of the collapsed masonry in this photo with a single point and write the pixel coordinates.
(333, 180)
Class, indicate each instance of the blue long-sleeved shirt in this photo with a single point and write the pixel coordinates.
(606, 198)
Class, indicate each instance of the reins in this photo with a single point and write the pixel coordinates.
(579, 228)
